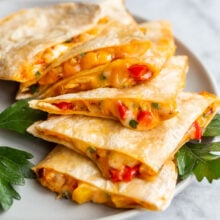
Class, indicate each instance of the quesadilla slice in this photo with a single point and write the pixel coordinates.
(122, 153)
(75, 177)
(31, 39)
(127, 56)
(141, 107)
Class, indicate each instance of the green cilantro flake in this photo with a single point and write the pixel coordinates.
(37, 74)
(102, 77)
(155, 105)
(83, 54)
(34, 88)
(91, 150)
(133, 123)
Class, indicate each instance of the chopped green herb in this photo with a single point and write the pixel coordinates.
(65, 195)
(37, 74)
(133, 123)
(83, 54)
(14, 168)
(155, 105)
(34, 88)
(91, 150)
(102, 77)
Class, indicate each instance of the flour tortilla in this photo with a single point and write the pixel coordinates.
(154, 195)
(28, 32)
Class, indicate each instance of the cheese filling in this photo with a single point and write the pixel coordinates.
(80, 192)
(84, 61)
(135, 114)
(121, 73)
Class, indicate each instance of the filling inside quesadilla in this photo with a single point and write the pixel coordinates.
(121, 73)
(138, 58)
(135, 114)
(89, 60)
(81, 182)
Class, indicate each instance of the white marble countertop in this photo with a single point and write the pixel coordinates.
(197, 24)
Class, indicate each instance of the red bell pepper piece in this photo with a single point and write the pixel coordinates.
(63, 105)
(129, 173)
(115, 175)
(122, 109)
(198, 130)
(125, 175)
(140, 72)
(144, 117)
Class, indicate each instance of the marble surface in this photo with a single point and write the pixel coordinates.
(197, 24)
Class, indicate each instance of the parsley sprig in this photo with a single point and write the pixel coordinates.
(19, 116)
(201, 159)
(14, 168)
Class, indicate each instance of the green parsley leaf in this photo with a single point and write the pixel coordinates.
(213, 129)
(14, 168)
(207, 168)
(200, 160)
(18, 117)
(185, 162)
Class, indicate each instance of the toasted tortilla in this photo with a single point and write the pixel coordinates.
(156, 98)
(63, 169)
(112, 146)
(26, 34)
(150, 46)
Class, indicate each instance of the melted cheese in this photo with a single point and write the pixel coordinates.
(95, 58)
(80, 192)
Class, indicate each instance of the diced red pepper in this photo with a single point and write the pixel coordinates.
(122, 109)
(116, 175)
(63, 105)
(129, 173)
(140, 72)
(125, 175)
(144, 117)
(198, 130)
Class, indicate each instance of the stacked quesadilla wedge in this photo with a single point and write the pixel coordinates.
(32, 39)
(117, 150)
(73, 176)
(119, 57)
(140, 107)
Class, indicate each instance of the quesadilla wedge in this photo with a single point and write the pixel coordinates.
(122, 153)
(31, 39)
(127, 56)
(141, 107)
(75, 177)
